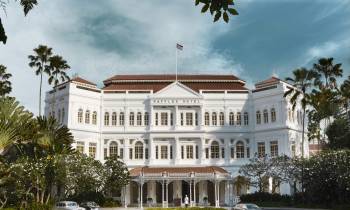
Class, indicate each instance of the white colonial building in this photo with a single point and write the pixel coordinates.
(180, 137)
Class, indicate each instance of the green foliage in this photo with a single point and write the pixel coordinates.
(5, 84)
(218, 8)
(109, 202)
(116, 174)
(266, 197)
(339, 134)
(97, 197)
(3, 37)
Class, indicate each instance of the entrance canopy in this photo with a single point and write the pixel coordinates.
(180, 173)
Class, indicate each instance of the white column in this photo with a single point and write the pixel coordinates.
(167, 194)
(176, 117)
(151, 154)
(127, 195)
(163, 194)
(177, 151)
(141, 193)
(194, 193)
(190, 192)
(215, 193)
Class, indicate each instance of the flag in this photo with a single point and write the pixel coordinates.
(179, 46)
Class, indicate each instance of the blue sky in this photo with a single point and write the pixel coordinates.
(107, 37)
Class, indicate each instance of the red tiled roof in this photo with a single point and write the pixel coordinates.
(176, 170)
(171, 77)
(81, 80)
(271, 81)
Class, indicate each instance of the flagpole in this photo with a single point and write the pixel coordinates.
(176, 64)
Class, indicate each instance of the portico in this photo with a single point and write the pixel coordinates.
(168, 186)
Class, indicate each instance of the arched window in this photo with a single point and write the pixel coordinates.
(146, 118)
(273, 115)
(214, 150)
(246, 118)
(87, 117)
(214, 119)
(266, 116)
(258, 117)
(114, 118)
(239, 150)
(221, 118)
(106, 119)
(231, 118)
(121, 118)
(206, 118)
(59, 115)
(94, 118)
(113, 149)
(63, 114)
(138, 150)
(80, 116)
(131, 118)
(239, 119)
(139, 118)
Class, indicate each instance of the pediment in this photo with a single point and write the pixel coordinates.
(177, 90)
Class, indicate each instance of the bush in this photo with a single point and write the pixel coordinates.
(110, 202)
(97, 197)
(266, 197)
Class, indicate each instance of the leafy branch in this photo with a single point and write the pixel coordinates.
(218, 8)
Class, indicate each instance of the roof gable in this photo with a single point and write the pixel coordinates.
(177, 89)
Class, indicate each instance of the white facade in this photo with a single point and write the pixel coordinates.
(178, 126)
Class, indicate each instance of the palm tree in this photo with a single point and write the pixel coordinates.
(345, 96)
(58, 67)
(39, 61)
(15, 122)
(326, 69)
(302, 81)
(5, 84)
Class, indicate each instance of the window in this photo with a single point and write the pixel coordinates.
(206, 118)
(196, 119)
(293, 150)
(92, 150)
(223, 152)
(113, 149)
(121, 153)
(261, 149)
(246, 118)
(164, 118)
(87, 117)
(239, 119)
(207, 153)
(138, 150)
(232, 152)
(146, 153)
(231, 118)
(163, 152)
(156, 119)
(189, 118)
(182, 152)
(239, 150)
(106, 118)
(63, 114)
(146, 119)
(132, 119)
(214, 119)
(298, 117)
(80, 116)
(157, 152)
(80, 147)
(266, 116)
(114, 118)
(139, 119)
(121, 118)
(274, 148)
(248, 152)
(258, 117)
(273, 115)
(171, 152)
(197, 152)
(94, 118)
(182, 118)
(189, 152)
(221, 118)
(104, 153)
(59, 115)
(130, 153)
(214, 150)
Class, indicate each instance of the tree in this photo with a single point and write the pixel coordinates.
(345, 97)
(27, 6)
(328, 72)
(338, 134)
(117, 175)
(5, 84)
(58, 67)
(219, 8)
(39, 61)
(302, 81)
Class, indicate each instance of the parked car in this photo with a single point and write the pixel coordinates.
(246, 206)
(90, 205)
(68, 205)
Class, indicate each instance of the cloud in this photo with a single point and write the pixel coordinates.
(100, 39)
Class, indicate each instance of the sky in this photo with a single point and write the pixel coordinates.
(102, 38)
